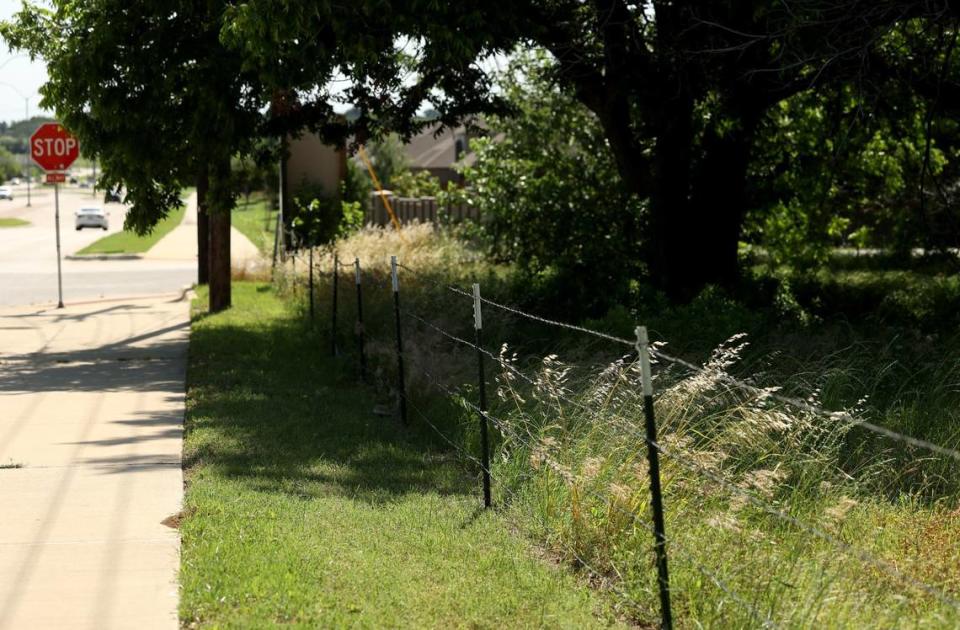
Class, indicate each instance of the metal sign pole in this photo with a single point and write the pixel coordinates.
(56, 212)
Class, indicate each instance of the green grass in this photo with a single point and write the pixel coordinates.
(305, 508)
(12, 222)
(256, 221)
(129, 243)
(572, 475)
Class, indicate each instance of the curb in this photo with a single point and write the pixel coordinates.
(104, 257)
(186, 290)
(177, 296)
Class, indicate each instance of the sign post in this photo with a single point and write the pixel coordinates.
(54, 149)
(56, 214)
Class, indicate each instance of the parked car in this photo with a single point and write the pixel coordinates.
(15, 181)
(92, 217)
(6, 193)
(73, 180)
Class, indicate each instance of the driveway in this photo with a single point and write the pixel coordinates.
(92, 401)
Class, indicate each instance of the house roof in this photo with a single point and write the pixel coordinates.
(428, 150)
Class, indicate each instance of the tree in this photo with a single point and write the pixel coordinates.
(680, 89)
(10, 166)
(149, 88)
(550, 194)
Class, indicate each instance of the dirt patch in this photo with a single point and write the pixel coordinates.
(173, 521)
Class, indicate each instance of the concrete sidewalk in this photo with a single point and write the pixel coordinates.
(91, 413)
(181, 242)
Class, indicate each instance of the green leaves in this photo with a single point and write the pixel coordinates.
(148, 89)
(550, 194)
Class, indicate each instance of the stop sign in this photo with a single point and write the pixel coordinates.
(53, 148)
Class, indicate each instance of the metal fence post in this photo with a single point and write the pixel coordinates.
(656, 497)
(311, 284)
(396, 312)
(333, 315)
(359, 332)
(484, 439)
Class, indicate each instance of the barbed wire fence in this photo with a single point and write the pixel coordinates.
(628, 394)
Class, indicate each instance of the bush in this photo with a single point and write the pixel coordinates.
(551, 198)
(319, 218)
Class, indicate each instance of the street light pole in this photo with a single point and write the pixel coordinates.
(26, 107)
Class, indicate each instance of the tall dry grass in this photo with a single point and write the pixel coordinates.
(775, 516)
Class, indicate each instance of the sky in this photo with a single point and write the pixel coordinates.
(19, 77)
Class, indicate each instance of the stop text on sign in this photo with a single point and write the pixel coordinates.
(53, 148)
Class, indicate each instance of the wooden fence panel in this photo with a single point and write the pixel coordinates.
(412, 210)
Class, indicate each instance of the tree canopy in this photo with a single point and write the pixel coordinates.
(683, 91)
(722, 119)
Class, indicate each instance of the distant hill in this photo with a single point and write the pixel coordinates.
(15, 136)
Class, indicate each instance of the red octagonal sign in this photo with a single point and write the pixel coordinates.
(53, 148)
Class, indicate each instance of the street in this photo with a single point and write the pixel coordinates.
(28, 263)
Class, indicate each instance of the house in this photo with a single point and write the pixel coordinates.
(313, 162)
(439, 153)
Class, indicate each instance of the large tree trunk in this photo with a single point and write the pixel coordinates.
(221, 203)
(672, 265)
(696, 213)
(718, 202)
(203, 230)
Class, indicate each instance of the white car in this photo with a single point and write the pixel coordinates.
(6, 193)
(91, 217)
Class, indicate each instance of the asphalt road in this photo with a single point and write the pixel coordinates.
(28, 255)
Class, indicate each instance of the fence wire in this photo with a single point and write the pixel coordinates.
(864, 556)
(504, 429)
(380, 281)
(765, 393)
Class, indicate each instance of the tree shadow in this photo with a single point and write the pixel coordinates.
(268, 406)
(156, 369)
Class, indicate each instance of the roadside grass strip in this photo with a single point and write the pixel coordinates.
(12, 223)
(129, 243)
(305, 508)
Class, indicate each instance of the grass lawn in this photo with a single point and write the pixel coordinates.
(129, 243)
(305, 508)
(11, 222)
(256, 221)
